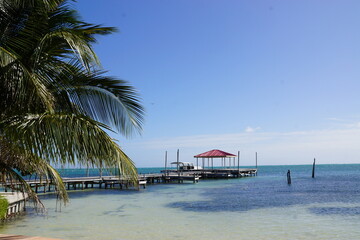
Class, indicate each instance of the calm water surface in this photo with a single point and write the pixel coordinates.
(262, 207)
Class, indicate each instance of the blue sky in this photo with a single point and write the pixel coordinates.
(277, 77)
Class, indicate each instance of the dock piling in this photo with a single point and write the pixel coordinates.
(289, 177)
(313, 170)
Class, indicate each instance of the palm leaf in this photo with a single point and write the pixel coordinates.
(12, 179)
(110, 101)
(43, 135)
(14, 157)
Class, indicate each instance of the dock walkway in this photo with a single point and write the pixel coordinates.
(81, 183)
(219, 173)
(168, 176)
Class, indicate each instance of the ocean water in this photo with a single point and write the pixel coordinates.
(262, 207)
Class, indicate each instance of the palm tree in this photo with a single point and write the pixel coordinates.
(56, 104)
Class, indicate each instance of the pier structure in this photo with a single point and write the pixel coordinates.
(184, 172)
(169, 177)
(213, 173)
(166, 176)
(105, 182)
(228, 168)
(79, 183)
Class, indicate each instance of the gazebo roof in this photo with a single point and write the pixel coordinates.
(214, 154)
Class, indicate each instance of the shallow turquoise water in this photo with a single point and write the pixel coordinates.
(262, 207)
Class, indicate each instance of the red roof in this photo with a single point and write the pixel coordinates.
(214, 154)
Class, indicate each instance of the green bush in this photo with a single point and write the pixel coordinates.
(4, 204)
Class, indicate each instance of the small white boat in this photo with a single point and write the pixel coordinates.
(185, 166)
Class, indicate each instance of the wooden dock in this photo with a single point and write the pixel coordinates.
(229, 173)
(194, 175)
(81, 183)
(168, 176)
(222, 173)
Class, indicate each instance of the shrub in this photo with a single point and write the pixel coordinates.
(4, 204)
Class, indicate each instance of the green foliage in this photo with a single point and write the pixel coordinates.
(56, 102)
(4, 204)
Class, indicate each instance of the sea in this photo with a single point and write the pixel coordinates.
(260, 207)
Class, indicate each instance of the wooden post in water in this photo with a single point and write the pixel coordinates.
(313, 170)
(178, 170)
(256, 160)
(165, 163)
(289, 177)
(239, 162)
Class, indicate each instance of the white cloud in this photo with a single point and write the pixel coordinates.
(345, 123)
(250, 129)
(328, 146)
(354, 125)
(336, 119)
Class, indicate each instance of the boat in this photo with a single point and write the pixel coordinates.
(186, 166)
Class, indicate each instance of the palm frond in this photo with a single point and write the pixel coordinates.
(28, 83)
(13, 180)
(112, 102)
(26, 163)
(66, 139)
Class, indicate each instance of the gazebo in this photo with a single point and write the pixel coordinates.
(215, 154)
